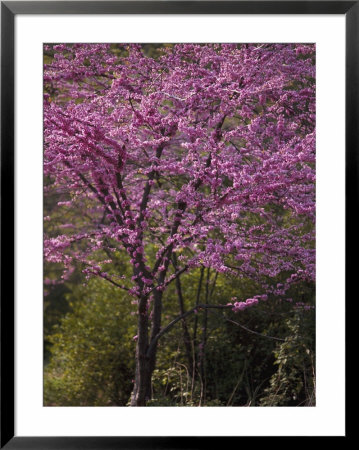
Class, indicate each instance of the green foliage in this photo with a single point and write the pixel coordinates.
(92, 350)
(293, 383)
(239, 365)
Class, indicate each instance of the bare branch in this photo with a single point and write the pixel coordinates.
(253, 332)
(154, 341)
(107, 278)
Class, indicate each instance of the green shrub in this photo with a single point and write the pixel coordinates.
(293, 383)
(92, 353)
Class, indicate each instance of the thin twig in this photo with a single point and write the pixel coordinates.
(254, 332)
(177, 319)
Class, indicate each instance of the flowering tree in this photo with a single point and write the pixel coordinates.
(203, 155)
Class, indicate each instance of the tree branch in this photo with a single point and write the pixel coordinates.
(177, 319)
(253, 332)
(105, 277)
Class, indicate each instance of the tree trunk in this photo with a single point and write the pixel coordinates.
(142, 386)
(145, 362)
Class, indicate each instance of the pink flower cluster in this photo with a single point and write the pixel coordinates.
(204, 151)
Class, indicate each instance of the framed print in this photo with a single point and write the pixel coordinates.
(175, 188)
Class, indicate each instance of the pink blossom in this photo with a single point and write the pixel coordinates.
(193, 153)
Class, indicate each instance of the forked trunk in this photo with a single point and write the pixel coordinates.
(145, 362)
(145, 365)
(142, 386)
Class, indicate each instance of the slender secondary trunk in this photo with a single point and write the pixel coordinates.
(194, 341)
(202, 354)
(186, 336)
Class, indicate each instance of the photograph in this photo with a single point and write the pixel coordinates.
(179, 224)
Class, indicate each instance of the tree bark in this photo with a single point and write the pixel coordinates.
(145, 358)
(142, 386)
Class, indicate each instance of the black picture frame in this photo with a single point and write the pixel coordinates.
(9, 9)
